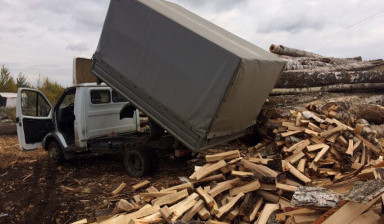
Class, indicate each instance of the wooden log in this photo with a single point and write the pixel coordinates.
(350, 211)
(283, 50)
(203, 172)
(241, 173)
(222, 156)
(207, 198)
(361, 87)
(204, 214)
(170, 198)
(288, 167)
(315, 197)
(259, 169)
(252, 186)
(211, 178)
(286, 187)
(119, 188)
(188, 186)
(256, 208)
(301, 165)
(266, 212)
(193, 211)
(223, 186)
(140, 185)
(124, 205)
(325, 78)
(299, 146)
(233, 214)
(227, 207)
(321, 153)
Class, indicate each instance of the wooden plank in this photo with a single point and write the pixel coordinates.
(222, 156)
(315, 147)
(332, 131)
(259, 169)
(241, 173)
(156, 194)
(350, 211)
(289, 133)
(203, 172)
(140, 185)
(252, 186)
(188, 186)
(314, 127)
(204, 214)
(227, 207)
(295, 157)
(350, 147)
(369, 145)
(207, 198)
(299, 146)
(369, 217)
(286, 187)
(223, 186)
(311, 132)
(192, 212)
(254, 212)
(144, 211)
(215, 177)
(232, 215)
(287, 166)
(281, 217)
(301, 165)
(119, 188)
(321, 154)
(170, 198)
(266, 212)
(166, 213)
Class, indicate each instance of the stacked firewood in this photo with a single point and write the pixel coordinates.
(316, 169)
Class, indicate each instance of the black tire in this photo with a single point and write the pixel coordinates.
(153, 157)
(137, 163)
(55, 152)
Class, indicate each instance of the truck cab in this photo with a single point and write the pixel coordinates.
(83, 114)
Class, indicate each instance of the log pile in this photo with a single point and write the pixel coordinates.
(307, 72)
(316, 169)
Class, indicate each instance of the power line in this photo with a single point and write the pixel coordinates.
(357, 23)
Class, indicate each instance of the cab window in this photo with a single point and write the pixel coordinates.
(34, 104)
(117, 97)
(100, 96)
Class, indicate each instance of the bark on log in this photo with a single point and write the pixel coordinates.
(357, 66)
(359, 87)
(296, 79)
(316, 197)
(283, 50)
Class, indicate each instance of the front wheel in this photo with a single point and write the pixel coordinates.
(55, 153)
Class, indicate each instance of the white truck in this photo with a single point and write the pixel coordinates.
(88, 118)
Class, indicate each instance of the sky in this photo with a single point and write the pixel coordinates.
(41, 37)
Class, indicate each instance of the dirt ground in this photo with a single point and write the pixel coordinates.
(33, 190)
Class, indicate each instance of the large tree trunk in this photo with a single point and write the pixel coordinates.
(356, 66)
(358, 87)
(313, 79)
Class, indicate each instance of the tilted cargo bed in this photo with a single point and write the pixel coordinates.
(199, 82)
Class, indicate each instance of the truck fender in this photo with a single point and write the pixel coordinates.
(54, 137)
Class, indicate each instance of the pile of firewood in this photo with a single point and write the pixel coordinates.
(316, 169)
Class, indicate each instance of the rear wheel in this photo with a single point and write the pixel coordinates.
(140, 162)
(55, 152)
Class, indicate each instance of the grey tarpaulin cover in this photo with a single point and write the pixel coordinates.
(201, 83)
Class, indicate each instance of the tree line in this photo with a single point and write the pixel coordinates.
(51, 89)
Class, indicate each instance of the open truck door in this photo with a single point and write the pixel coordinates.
(33, 118)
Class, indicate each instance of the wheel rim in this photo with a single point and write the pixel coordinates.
(53, 152)
(135, 163)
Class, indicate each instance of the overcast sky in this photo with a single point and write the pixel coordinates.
(43, 36)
